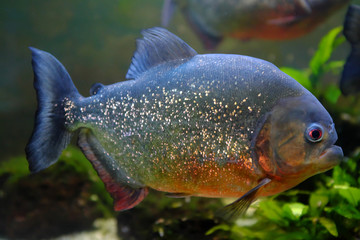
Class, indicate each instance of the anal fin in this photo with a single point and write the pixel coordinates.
(127, 193)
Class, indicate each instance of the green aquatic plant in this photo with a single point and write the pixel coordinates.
(14, 168)
(322, 77)
(332, 210)
(329, 208)
(321, 64)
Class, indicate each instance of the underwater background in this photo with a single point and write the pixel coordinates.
(95, 41)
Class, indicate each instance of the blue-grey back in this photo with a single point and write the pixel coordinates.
(212, 102)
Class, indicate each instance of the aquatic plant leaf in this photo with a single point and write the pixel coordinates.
(351, 163)
(327, 44)
(332, 93)
(347, 211)
(16, 165)
(351, 194)
(16, 168)
(263, 233)
(223, 227)
(271, 210)
(334, 66)
(295, 235)
(317, 202)
(341, 177)
(295, 210)
(299, 75)
(329, 225)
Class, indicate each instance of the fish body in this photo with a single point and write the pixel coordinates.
(213, 125)
(350, 79)
(252, 19)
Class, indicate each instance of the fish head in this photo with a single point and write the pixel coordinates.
(297, 139)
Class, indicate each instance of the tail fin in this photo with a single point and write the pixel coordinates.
(350, 79)
(50, 136)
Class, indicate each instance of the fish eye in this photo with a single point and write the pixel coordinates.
(314, 133)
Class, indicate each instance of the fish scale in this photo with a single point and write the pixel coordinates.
(213, 125)
(138, 126)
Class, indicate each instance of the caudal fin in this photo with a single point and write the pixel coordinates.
(50, 136)
(350, 79)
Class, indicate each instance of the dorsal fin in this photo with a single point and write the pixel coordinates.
(157, 46)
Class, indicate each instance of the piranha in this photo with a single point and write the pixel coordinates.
(350, 79)
(212, 20)
(212, 125)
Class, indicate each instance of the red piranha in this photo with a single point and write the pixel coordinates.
(213, 125)
(252, 19)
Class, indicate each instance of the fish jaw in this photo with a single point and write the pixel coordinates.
(331, 156)
(328, 159)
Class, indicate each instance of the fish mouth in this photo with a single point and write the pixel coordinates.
(332, 155)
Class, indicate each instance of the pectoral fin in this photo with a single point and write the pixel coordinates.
(126, 192)
(240, 206)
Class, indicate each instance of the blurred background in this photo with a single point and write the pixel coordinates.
(95, 41)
